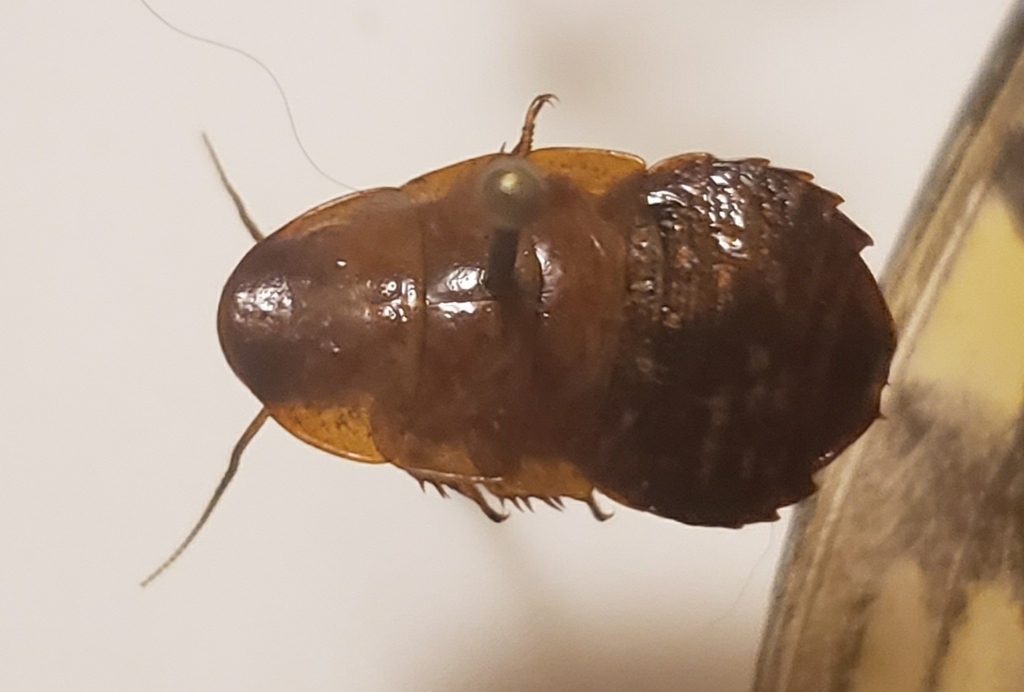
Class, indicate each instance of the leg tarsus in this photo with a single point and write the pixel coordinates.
(596, 510)
(473, 493)
(526, 138)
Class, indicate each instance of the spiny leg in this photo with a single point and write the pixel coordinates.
(437, 486)
(526, 138)
(471, 491)
(236, 456)
(466, 486)
(555, 502)
(247, 221)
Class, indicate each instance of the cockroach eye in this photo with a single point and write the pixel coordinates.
(512, 192)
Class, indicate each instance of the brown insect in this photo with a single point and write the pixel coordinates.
(694, 339)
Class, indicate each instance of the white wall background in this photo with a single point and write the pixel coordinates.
(117, 410)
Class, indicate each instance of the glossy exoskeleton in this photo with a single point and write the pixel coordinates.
(694, 339)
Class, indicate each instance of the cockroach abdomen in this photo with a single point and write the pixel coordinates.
(759, 342)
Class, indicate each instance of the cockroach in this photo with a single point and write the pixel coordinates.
(693, 339)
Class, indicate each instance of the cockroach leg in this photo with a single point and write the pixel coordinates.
(247, 221)
(473, 493)
(526, 139)
(596, 510)
(464, 485)
(555, 502)
(236, 456)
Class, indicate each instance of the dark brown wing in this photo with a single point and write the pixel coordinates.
(770, 348)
